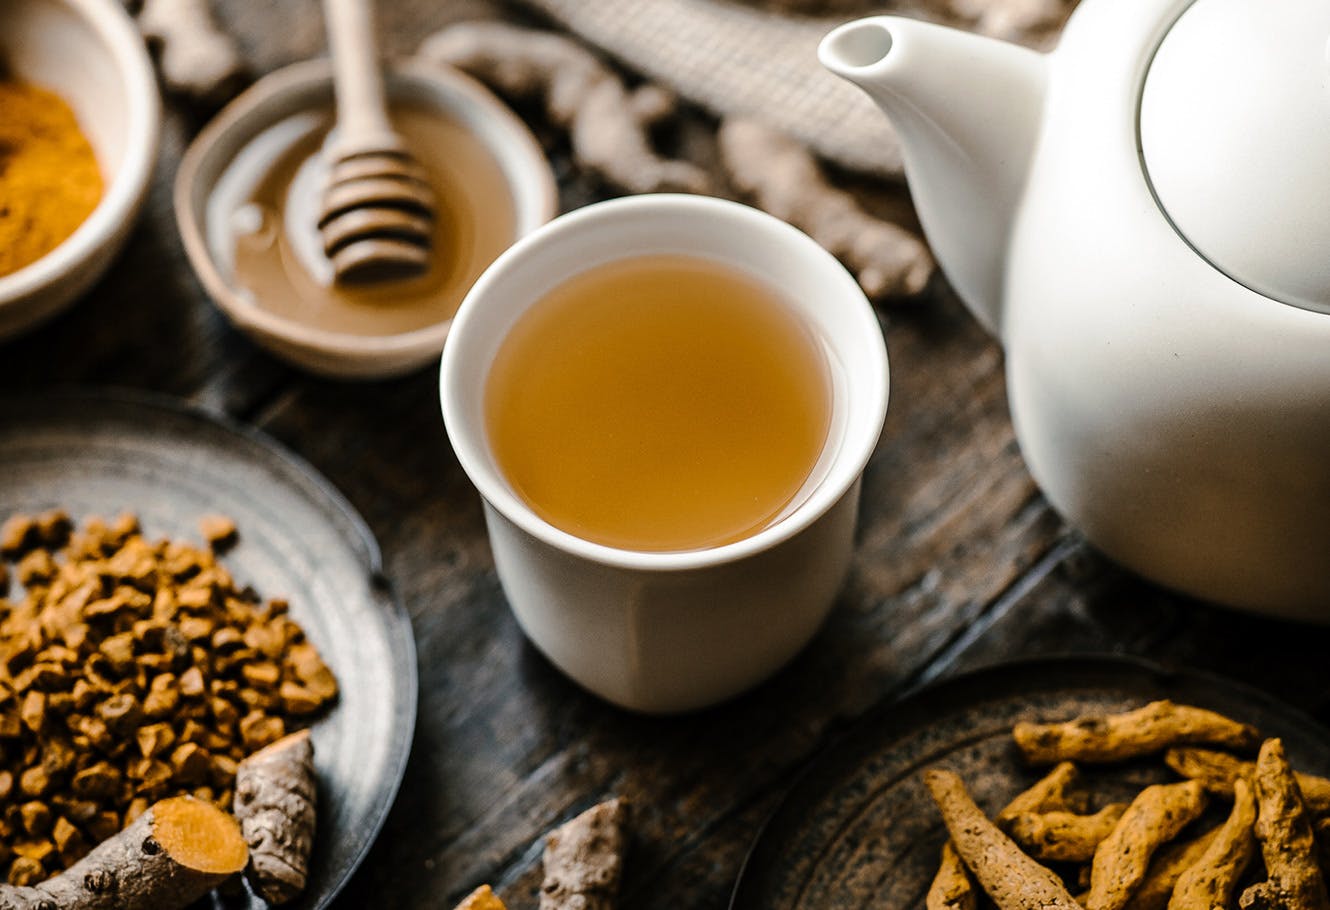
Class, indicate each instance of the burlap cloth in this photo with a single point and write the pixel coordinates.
(735, 59)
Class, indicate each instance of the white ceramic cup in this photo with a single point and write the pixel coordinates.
(668, 632)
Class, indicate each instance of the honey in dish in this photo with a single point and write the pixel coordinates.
(659, 403)
(266, 208)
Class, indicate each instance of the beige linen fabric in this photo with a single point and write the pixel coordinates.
(733, 59)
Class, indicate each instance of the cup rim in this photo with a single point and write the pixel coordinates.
(846, 468)
(123, 193)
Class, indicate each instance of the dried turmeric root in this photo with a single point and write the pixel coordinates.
(1215, 770)
(1027, 21)
(1065, 836)
(1322, 833)
(481, 899)
(199, 59)
(782, 177)
(1212, 881)
(1218, 770)
(1012, 879)
(609, 125)
(952, 887)
(584, 860)
(1118, 737)
(174, 853)
(275, 803)
(1294, 877)
(1054, 792)
(1122, 860)
(1166, 868)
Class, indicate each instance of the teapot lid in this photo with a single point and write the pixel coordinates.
(1235, 138)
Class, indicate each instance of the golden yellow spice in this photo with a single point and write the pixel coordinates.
(49, 180)
(133, 670)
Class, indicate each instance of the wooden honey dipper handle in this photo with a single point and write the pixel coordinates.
(378, 206)
(362, 114)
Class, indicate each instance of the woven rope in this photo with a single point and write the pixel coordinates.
(735, 60)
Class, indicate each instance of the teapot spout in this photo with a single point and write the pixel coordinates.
(968, 110)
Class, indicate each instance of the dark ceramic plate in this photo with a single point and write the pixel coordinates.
(859, 831)
(100, 454)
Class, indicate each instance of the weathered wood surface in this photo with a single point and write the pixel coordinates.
(960, 563)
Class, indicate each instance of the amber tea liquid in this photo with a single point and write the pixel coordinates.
(659, 403)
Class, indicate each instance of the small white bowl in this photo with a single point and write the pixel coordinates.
(90, 53)
(670, 632)
(308, 86)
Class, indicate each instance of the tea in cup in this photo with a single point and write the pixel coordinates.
(666, 403)
(659, 403)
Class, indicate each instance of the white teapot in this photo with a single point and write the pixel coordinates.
(1143, 218)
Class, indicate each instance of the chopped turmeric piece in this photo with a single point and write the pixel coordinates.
(218, 530)
(130, 671)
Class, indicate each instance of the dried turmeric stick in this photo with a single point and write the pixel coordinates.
(1012, 879)
(1166, 868)
(199, 59)
(609, 124)
(1122, 860)
(782, 177)
(584, 859)
(1065, 836)
(952, 887)
(1322, 833)
(1027, 21)
(1212, 881)
(275, 803)
(481, 899)
(1217, 771)
(174, 853)
(1294, 877)
(1117, 737)
(1055, 791)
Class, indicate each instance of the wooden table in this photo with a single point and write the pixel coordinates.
(960, 563)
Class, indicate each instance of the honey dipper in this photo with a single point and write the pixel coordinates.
(378, 207)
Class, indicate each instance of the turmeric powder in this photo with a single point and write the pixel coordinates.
(49, 179)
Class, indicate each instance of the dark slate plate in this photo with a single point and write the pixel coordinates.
(858, 830)
(103, 453)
